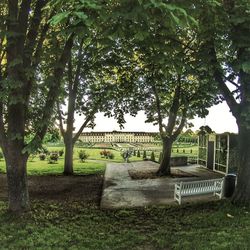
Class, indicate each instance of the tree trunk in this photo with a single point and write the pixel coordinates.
(18, 194)
(242, 191)
(164, 169)
(68, 158)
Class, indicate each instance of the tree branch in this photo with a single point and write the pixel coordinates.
(181, 125)
(231, 102)
(60, 118)
(174, 109)
(87, 120)
(158, 109)
(79, 64)
(232, 82)
(219, 78)
(53, 91)
(33, 32)
(23, 23)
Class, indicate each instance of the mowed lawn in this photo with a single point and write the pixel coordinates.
(78, 225)
(94, 164)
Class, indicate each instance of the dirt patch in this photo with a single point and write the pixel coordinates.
(86, 188)
(151, 174)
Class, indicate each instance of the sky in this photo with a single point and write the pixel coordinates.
(219, 119)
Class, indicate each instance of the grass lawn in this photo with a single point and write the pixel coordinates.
(38, 167)
(77, 225)
(65, 214)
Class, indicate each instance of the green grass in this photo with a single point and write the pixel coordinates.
(216, 225)
(38, 167)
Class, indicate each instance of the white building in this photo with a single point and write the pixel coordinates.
(118, 136)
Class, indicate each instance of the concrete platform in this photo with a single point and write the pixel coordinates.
(121, 191)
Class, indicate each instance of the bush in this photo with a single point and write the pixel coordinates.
(42, 156)
(53, 157)
(152, 158)
(144, 155)
(107, 154)
(61, 152)
(126, 155)
(111, 156)
(134, 153)
(32, 157)
(82, 155)
(138, 153)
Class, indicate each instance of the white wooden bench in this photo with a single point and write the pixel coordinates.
(190, 188)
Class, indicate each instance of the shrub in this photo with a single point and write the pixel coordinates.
(107, 154)
(61, 152)
(111, 155)
(82, 155)
(53, 157)
(134, 153)
(152, 158)
(138, 153)
(32, 157)
(102, 153)
(126, 155)
(42, 156)
(144, 155)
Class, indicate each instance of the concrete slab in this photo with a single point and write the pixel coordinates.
(120, 191)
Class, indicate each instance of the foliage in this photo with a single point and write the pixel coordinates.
(32, 157)
(138, 154)
(53, 157)
(126, 154)
(42, 156)
(52, 135)
(152, 157)
(107, 154)
(82, 155)
(61, 152)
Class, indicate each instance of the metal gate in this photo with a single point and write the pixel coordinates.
(221, 153)
(202, 150)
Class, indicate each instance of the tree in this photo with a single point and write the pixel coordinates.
(167, 71)
(173, 85)
(85, 92)
(226, 49)
(29, 88)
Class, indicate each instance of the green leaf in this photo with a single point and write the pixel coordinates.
(59, 18)
(81, 15)
(176, 19)
(246, 67)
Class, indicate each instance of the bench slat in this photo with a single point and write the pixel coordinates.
(198, 187)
